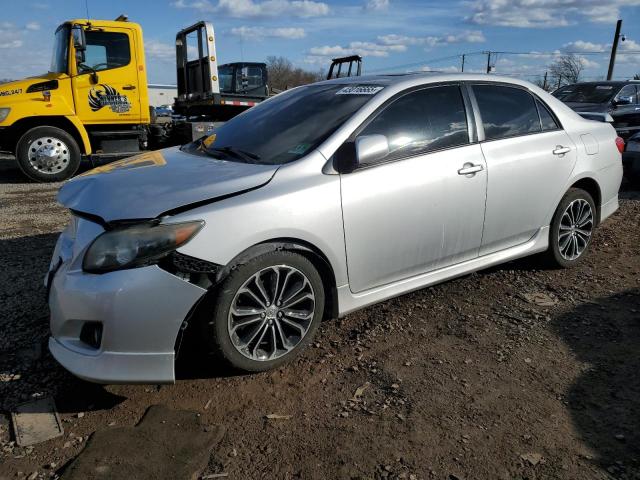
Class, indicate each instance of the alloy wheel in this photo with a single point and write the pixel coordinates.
(576, 227)
(271, 313)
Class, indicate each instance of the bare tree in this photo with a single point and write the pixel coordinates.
(283, 75)
(542, 81)
(566, 69)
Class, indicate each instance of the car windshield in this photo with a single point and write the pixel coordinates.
(60, 50)
(586, 93)
(289, 125)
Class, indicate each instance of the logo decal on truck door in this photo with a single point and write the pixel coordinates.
(103, 95)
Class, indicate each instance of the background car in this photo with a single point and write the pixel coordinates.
(319, 201)
(594, 100)
(631, 158)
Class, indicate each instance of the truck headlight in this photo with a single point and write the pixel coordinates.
(137, 246)
(4, 113)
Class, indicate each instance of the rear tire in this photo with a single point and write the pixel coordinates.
(48, 154)
(280, 298)
(572, 229)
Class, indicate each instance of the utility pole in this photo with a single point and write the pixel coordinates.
(614, 49)
(489, 62)
(462, 62)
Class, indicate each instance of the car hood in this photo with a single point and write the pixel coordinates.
(588, 107)
(150, 184)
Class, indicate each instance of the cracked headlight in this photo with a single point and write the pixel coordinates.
(137, 246)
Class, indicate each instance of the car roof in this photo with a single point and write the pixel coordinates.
(413, 78)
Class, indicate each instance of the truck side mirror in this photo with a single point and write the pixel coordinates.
(79, 42)
(79, 38)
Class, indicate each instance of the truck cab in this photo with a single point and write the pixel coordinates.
(92, 100)
(93, 103)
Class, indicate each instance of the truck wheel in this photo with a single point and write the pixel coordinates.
(47, 154)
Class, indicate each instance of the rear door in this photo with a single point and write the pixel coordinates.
(112, 94)
(414, 211)
(529, 160)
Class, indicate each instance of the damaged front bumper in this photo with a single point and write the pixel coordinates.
(117, 327)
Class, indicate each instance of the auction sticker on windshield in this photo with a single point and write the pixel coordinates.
(359, 90)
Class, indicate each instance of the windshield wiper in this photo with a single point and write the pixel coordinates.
(235, 152)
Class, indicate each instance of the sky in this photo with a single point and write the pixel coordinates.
(391, 35)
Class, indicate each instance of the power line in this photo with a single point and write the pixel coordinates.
(494, 54)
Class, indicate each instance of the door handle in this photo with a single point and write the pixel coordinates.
(470, 169)
(129, 87)
(560, 150)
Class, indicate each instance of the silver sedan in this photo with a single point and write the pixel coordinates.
(317, 202)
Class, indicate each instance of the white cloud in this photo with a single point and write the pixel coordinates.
(448, 69)
(292, 33)
(159, 50)
(582, 46)
(545, 13)
(467, 36)
(365, 49)
(33, 26)
(377, 5)
(252, 8)
(9, 36)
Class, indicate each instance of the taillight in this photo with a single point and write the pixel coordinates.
(620, 144)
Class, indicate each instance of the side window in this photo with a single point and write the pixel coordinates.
(105, 50)
(547, 122)
(422, 121)
(506, 111)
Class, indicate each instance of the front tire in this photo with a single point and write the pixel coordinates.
(48, 154)
(266, 311)
(572, 228)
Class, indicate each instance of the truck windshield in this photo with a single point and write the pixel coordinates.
(288, 126)
(586, 93)
(59, 59)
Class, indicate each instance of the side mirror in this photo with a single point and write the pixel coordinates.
(79, 43)
(365, 150)
(623, 101)
(79, 39)
(371, 148)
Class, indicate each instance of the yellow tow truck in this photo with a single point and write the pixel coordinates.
(93, 103)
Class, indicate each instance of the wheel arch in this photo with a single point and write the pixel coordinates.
(308, 250)
(69, 124)
(591, 186)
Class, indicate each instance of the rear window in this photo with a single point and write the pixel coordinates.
(586, 93)
(506, 111)
(547, 121)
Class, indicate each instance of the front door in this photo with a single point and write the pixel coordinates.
(414, 212)
(106, 83)
(529, 159)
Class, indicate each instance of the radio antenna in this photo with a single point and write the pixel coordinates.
(86, 5)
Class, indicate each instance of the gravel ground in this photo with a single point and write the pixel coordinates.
(515, 372)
